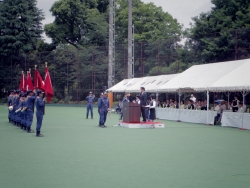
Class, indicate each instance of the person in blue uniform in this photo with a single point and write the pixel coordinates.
(30, 102)
(10, 104)
(90, 101)
(40, 104)
(23, 114)
(99, 101)
(12, 99)
(125, 99)
(103, 107)
(15, 107)
(18, 111)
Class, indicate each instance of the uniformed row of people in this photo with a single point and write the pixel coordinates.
(21, 109)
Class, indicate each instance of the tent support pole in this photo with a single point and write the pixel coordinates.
(157, 97)
(179, 110)
(228, 96)
(244, 94)
(180, 94)
(207, 105)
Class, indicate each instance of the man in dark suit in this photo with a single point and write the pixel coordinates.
(143, 103)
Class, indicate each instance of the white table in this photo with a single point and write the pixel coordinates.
(235, 119)
(190, 116)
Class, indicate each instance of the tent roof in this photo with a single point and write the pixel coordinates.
(120, 87)
(143, 82)
(237, 80)
(159, 81)
(201, 77)
(151, 83)
(124, 84)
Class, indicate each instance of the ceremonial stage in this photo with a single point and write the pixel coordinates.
(141, 125)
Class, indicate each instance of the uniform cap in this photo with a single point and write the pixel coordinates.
(90, 92)
(39, 92)
(29, 91)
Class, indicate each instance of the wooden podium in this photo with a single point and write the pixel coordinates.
(131, 112)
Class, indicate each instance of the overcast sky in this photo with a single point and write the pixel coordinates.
(182, 10)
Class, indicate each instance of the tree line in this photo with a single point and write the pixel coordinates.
(77, 55)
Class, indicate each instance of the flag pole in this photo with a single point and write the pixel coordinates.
(35, 78)
(23, 85)
(46, 65)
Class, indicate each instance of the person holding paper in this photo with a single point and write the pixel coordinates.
(152, 106)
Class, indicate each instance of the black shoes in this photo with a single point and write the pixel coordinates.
(103, 126)
(38, 134)
(30, 131)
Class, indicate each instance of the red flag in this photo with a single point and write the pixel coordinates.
(29, 85)
(48, 85)
(38, 81)
(22, 83)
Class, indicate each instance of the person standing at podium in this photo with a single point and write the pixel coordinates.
(143, 103)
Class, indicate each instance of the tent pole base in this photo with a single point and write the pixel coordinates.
(243, 129)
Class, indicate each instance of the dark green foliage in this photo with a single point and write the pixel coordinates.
(77, 23)
(20, 26)
(223, 33)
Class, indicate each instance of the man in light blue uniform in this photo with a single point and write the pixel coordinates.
(16, 104)
(10, 104)
(103, 106)
(12, 99)
(125, 99)
(90, 101)
(99, 101)
(30, 102)
(40, 104)
(23, 113)
(18, 113)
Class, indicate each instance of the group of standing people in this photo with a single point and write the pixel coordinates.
(21, 109)
(145, 105)
(103, 107)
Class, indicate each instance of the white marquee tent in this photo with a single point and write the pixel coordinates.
(225, 76)
(151, 83)
(202, 77)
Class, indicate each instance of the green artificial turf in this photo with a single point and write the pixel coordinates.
(75, 153)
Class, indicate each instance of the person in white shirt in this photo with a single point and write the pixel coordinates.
(193, 98)
(152, 106)
(241, 108)
(223, 106)
(218, 110)
(137, 101)
(182, 106)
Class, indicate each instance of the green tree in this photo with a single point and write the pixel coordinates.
(223, 33)
(155, 33)
(151, 22)
(20, 26)
(77, 22)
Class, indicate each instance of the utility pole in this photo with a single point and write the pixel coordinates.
(130, 42)
(111, 53)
